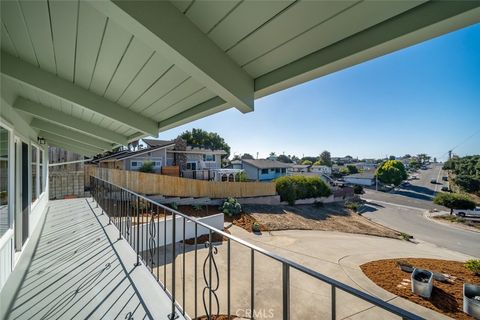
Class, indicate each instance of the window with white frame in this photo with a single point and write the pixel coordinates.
(137, 164)
(41, 172)
(34, 184)
(157, 163)
(209, 157)
(5, 221)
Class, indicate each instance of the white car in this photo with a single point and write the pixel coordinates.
(468, 213)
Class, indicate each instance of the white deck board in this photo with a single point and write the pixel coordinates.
(80, 270)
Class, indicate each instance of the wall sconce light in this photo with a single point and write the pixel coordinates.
(41, 140)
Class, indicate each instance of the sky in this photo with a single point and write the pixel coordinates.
(422, 99)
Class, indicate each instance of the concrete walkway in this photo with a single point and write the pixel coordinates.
(339, 255)
(75, 268)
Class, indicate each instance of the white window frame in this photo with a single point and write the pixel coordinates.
(42, 171)
(206, 160)
(37, 182)
(10, 183)
(155, 163)
(138, 164)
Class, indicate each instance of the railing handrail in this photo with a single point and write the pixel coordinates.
(315, 274)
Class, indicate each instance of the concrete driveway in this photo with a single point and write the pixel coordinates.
(337, 255)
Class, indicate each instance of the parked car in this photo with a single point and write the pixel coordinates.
(446, 189)
(468, 213)
(445, 178)
(434, 181)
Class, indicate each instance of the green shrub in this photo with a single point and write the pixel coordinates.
(406, 236)
(147, 167)
(174, 206)
(256, 227)
(352, 206)
(473, 265)
(358, 189)
(291, 188)
(241, 177)
(231, 207)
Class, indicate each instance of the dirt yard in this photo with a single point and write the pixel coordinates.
(447, 298)
(330, 217)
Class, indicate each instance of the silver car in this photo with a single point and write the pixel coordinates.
(468, 213)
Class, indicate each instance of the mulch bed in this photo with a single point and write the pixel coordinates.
(447, 298)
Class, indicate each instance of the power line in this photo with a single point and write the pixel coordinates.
(468, 138)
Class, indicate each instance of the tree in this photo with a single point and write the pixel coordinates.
(391, 158)
(312, 159)
(352, 169)
(454, 201)
(468, 183)
(392, 172)
(203, 139)
(247, 156)
(283, 158)
(344, 171)
(295, 159)
(325, 158)
(414, 164)
(423, 158)
(307, 162)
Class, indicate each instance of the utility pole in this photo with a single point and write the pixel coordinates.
(449, 154)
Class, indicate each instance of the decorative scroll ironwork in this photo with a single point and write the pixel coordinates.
(152, 243)
(210, 289)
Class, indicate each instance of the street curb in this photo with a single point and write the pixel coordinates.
(427, 214)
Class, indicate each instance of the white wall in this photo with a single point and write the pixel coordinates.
(215, 221)
(20, 128)
(360, 181)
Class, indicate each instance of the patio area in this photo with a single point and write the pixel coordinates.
(75, 268)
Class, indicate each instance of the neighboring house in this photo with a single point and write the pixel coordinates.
(298, 168)
(326, 170)
(264, 169)
(366, 166)
(236, 164)
(198, 164)
(362, 179)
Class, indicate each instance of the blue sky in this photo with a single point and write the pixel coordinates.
(425, 98)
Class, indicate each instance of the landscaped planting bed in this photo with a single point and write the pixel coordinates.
(446, 298)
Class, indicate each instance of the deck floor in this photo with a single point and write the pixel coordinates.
(80, 270)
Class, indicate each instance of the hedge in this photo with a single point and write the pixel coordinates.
(291, 188)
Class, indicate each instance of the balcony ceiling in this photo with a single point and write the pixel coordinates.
(115, 71)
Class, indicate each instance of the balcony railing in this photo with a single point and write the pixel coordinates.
(139, 219)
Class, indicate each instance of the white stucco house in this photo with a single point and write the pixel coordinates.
(326, 170)
(361, 179)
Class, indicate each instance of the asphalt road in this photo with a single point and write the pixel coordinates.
(404, 209)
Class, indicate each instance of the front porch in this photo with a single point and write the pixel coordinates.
(74, 267)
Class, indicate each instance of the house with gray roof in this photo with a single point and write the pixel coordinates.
(366, 178)
(199, 162)
(264, 169)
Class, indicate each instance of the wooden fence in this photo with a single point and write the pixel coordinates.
(151, 183)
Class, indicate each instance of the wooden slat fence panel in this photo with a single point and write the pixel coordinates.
(151, 183)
